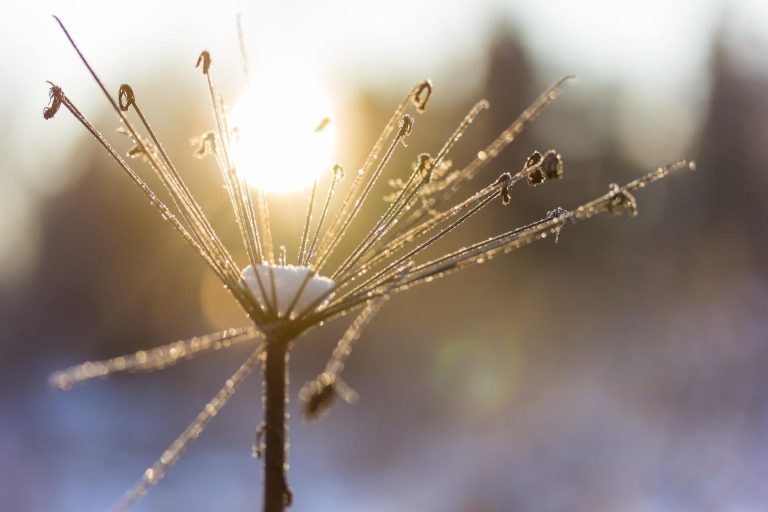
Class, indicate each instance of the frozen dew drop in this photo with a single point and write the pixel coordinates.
(149, 476)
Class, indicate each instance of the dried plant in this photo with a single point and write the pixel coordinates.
(284, 300)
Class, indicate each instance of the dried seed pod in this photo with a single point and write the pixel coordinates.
(125, 97)
(505, 180)
(422, 94)
(206, 144)
(318, 395)
(338, 172)
(205, 60)
(552, 165)
(536, 177)
(56, 97)
(324, 122)
(533, 165)
(533, 160)
(406, 125)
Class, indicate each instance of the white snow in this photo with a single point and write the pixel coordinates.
(287, 282)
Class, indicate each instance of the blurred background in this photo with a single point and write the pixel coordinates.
(621, 369)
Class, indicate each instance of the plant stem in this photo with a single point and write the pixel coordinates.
(277, 495)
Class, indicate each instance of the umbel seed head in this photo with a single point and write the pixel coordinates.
(283, 300)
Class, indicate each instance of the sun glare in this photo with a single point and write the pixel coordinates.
(283, 139)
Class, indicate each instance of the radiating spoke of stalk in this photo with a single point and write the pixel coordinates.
(463, 211)
(420, 176)
(222, 267)
(336, 176)
(154, 358)
(192, 224)
(384, 250)
(166, 171)
(419, 95)
(454, 181)
(617, 199)
(308, 221)
(385, 247)
(406, 125)
(390, 267)
(318, 394)
(235, 184)
(156, 471)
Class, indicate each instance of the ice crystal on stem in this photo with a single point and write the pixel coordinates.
(285, 296)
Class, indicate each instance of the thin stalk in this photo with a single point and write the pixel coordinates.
(335, 178)
(383, 251)
(404, 199)
(174, 184)
(156, 471)
(437, 236)
(419, 95)
(406, 124)
(243, 53)
(615, 201)
(233, 182)
(219, 267)
(152, 359)
(484, 157)
(131, 129)
(385, 246)
(266, 226)
(277, 494)
(305, 232)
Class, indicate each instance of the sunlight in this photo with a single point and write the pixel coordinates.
(278, 144)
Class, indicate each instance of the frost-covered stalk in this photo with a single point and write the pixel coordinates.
(284, 300)
(277, 494)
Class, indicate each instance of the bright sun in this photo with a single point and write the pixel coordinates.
(278, 147)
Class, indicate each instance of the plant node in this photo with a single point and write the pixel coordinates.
(621, 198)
